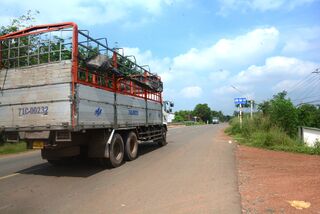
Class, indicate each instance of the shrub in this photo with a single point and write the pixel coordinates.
(9, 148)
(271, 138)
(234, 127)
(317, 148)
(261, 132)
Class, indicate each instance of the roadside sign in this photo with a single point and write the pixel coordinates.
(240, 100)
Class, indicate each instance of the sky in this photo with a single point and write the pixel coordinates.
(205, 51)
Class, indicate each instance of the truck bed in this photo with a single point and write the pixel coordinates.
(40, 98)
(35, 97)
(96, 108)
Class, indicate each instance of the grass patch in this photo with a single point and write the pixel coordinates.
(11, 148)
(260, 132)
(192, 123)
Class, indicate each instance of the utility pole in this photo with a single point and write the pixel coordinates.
(251, 109)
(240, 115)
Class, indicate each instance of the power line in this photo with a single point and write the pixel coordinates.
(237, 89)
(309, 88)
(306, 88)
(299, 83)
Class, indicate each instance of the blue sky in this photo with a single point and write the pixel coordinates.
(201, 48)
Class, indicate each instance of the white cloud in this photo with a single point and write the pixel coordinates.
(302, 40)
(212, 66)
(229, 90)
(219, 75)
(284, 85)
(275, 68)
(211, 63)
(261, 82)
(260, 5)
(216, 69)
(191, 92)
(241, 50)
(88, 12)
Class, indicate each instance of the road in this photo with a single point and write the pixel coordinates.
(194, 173)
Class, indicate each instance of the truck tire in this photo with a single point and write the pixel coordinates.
(116, 153)
(131, 146)
(163, 141)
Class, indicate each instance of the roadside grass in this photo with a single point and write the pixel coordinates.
(11, 148)
(260, 132)
(192, 123)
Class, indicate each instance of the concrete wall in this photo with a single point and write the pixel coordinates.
(310, 135)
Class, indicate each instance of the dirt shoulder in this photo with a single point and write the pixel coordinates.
(269, 179)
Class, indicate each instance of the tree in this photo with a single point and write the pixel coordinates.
(22, 21)
(203, 111)
(264, 107)
(182, 115)
(283, 113)
(309, 115)
(219, 115)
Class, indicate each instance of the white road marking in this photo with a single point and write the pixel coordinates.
(17, 173)
(9, 176)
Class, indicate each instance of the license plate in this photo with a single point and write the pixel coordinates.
(37, 144)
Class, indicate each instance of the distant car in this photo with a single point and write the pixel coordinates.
(215, 120)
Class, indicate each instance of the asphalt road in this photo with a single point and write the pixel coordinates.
(194, 173)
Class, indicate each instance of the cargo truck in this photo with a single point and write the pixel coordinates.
(71, 95)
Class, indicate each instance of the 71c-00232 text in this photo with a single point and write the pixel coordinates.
(34, 110)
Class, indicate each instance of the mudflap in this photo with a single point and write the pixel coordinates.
(98, 146)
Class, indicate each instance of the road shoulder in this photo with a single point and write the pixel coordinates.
(269, 180)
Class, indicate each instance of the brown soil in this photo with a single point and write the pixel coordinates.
(269, 179)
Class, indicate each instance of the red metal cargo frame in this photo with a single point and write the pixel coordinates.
(130, 88)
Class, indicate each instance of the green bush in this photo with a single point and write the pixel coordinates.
(10, 148)
(317, 148)
(249, 126)
(192, 123)
(234, 127)
(261, 132)
(271, 138)
(282, 113)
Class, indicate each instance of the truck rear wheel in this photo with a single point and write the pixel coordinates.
(163, 140)
(131, 146)
(116, 153)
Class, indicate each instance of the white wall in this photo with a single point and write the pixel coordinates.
(310, 135)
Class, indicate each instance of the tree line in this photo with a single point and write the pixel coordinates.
(202, 113)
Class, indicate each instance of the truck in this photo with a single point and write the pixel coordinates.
(72, 95)
(215, 120)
